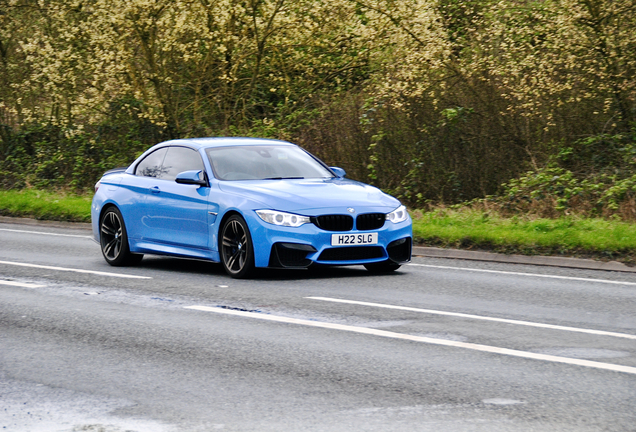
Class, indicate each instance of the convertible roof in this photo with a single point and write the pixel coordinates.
(225, 141)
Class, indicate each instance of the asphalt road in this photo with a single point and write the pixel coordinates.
(176, 345)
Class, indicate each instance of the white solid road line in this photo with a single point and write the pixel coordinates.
(46, 233)
(478, 317)
(393, 335)
(524, 274)
(119, 275)
(20, 284)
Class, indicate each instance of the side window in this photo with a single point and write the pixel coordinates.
(180, 159)
(151, 165)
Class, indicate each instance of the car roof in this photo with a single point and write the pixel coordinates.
(199, 143)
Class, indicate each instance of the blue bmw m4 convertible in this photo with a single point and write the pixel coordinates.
(247, 203)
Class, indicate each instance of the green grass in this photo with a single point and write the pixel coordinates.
(472, 229)
(45, 205)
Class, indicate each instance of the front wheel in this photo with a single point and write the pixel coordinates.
(114, 239)
(387, 266)
(237, 252)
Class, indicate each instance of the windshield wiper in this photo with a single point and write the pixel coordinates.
(283, 178)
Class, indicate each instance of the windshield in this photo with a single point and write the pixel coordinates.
(264, 162)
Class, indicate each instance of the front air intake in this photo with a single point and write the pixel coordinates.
(370, 221)
(352, 253)
(290, 255)
(333, 222)
(400, 250)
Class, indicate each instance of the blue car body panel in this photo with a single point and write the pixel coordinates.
(168, 218)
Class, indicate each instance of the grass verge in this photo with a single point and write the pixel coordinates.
(45, 205)
(567, 236)
(450, 228)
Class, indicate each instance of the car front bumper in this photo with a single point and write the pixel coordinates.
(299, 247)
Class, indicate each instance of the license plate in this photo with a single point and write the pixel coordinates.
(354, 239)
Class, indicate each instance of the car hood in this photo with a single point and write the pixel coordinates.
(313, 195)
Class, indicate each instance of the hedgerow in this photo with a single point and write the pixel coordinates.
(435, 101)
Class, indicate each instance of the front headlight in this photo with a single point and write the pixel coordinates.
(398, 215)
(282, 218)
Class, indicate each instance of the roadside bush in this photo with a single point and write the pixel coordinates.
(56, 157)
(593, 177)
(417, 152)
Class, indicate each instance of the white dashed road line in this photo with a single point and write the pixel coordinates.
(478, 317)
(119, 275)
(433, 341)
(20, 284)
(46, 233)
(524, 274)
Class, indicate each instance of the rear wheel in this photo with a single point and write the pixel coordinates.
(387, 266)
(114, 239)
(237, 252)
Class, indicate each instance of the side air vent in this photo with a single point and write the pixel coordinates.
(400, 250)
(290, 255)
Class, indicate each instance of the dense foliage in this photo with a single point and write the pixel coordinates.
(433, 100)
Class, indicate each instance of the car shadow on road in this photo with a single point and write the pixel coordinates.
(185, 265)
(202, 267)
(322, 272)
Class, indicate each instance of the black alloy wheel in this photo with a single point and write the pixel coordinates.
(114, 239)
(237, 252)
(387, 266)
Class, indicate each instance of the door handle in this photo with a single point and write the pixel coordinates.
(155, 189)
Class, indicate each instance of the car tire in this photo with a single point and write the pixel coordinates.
(236, 247)
(114, 239)
(387, 266)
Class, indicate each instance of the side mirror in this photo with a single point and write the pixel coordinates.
(338, 172)
(192, 178)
